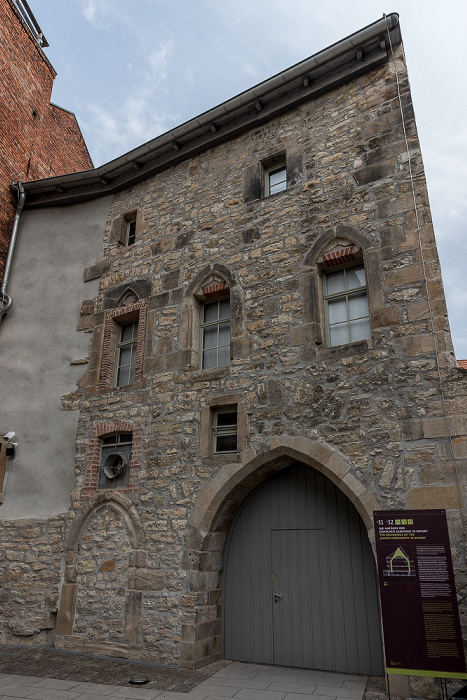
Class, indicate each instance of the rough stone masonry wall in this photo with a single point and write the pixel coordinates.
(31, 556)
(102, 570)
(38, 139)
(377, 405)
(373, 406)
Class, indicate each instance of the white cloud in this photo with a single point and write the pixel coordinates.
(117, 129)
(157, 61)
(95, 10)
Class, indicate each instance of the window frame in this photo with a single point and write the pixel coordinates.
(344, 295)
(132, 343)
(126, 228)
(212, 324)
(130, 235)
(125, 449)
(92, 459)
(224, 430)
(273, 170)
(114, 319)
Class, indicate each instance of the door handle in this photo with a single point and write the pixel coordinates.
(276, 597)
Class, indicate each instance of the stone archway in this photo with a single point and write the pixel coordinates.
(213, 513)
(122, 522)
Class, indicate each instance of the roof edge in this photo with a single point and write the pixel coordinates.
(331, 65)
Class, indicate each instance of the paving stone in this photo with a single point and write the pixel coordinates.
(94, 696)
(310, 676)
(246, 675)
(101, 688)
(53, 694)
(296, 696)
(332, 682)
(292, 688)
(136, 693)
(256, 683)
(15, 678)
(19, 690)
(212, 682)
(56, 684)
(223, 691)
(250, 694)
(339, 692)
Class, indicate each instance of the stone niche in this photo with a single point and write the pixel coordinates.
(105, 576)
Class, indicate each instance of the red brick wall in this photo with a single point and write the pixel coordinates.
(37, 139)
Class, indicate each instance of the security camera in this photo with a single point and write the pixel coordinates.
(9, 436)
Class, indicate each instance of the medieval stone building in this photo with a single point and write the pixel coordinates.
(227, 348)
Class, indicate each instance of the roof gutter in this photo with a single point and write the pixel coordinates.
(206, 119)
(5, 299)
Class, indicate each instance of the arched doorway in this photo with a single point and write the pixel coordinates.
(299, 582)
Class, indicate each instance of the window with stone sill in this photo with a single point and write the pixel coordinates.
(126, 354)
(346, 306)
(274, 173)
(215, 334)
(114, 468)
(123, 345)
(342, 288)
(275, 180)
(344, 293)
(213, 297)
(113, 457)
(126, 228)
(224, 429)
(130, 231)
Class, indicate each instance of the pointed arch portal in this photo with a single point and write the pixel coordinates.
(299, 583)
(294, 515)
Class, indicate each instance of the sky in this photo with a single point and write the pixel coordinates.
(132, 69)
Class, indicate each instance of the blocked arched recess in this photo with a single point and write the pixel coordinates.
(214, 510)
(64, 638)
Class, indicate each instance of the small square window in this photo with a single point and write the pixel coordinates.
(126, 354)
(215, 334)
(131, 231)
(346, 301)
(275, 180)
(224, 430)
(114, 469)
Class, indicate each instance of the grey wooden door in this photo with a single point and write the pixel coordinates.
(299, 579)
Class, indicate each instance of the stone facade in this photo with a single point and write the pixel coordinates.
(31, 562)
(383, 418)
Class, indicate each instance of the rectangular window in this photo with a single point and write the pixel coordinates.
(131, 231)
(126, 350)
(275, 180)
(115, 461)
(215, 334)
(224, 429)
(346, 302)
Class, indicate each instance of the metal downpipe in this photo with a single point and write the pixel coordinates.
(5, 299)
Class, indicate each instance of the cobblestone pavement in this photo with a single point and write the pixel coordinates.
(45, 674)
(50, 663)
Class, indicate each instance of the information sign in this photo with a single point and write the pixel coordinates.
(422, 633)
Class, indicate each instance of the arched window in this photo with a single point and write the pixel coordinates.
(343, 291)
(347, 317)
(212, 328)
(124, 333)
(214, 295)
